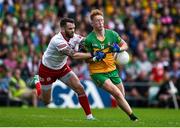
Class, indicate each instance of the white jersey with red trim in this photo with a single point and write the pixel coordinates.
(53, 58)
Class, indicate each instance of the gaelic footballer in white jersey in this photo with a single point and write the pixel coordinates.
(53, 57)
(54, 65)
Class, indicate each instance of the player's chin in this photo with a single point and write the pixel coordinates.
(101, 28)
(71, 35)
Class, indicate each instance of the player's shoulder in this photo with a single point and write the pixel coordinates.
(90, 36)
(78, 36)
(110, 31)
(57, 37)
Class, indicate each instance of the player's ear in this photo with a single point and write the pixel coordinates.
(91, 23)
(62, 29)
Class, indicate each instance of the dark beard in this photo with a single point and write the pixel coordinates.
(69, 35)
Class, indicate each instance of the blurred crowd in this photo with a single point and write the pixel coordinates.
(150, 27)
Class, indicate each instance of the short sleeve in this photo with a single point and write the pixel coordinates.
(117, 38)
(59, 44)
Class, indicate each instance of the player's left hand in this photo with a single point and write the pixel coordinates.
(115, 48)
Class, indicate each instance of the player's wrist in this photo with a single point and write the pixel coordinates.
(95, 59)
(92, 54)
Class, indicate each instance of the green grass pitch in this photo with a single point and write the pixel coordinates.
(111, 117)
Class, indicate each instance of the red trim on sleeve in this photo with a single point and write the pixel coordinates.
(61, 46)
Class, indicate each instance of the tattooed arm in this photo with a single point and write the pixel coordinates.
(75, 55)
(82, 47)
(68, 51)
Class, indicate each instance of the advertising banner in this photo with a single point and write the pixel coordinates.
(64, 97)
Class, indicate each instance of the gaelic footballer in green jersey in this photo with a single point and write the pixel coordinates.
(104, 72)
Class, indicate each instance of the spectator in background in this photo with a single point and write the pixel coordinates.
(20, 91)
(173, 74)
(157, 74)
(164, 95)
(133, 35)
(175, 77)
(165, 58)
(132, 69)
(25, 72)
(144, 64)
(175, 71)
(61, 10)
(3, 47)
(81, 70)
(5, 76)
(4, 80)
(177, 84)
(141, 91)
(176, 50)
(122, 72)
(33, 64)
(11, 61)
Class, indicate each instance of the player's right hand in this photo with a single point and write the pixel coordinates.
(115, 48)
(98, 56)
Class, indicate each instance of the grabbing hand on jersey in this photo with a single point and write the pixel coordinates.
(98, 56)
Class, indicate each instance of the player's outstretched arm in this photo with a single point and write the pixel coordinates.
(97, 56)
(75, 55)
(81, 55)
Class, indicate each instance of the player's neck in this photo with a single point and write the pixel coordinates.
(65, 36)
(100, 34)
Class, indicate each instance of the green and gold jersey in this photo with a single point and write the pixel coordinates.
(92, 44)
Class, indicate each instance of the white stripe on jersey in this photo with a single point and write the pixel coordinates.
(52, 57)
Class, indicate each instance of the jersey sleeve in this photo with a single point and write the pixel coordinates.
(117, 38)
(77, 42)
(79, 38)
(60, 44)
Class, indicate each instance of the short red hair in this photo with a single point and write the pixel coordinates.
(95, 12)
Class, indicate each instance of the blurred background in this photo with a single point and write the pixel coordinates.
(150, 27)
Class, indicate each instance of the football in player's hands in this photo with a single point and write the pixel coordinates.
(121, 58)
